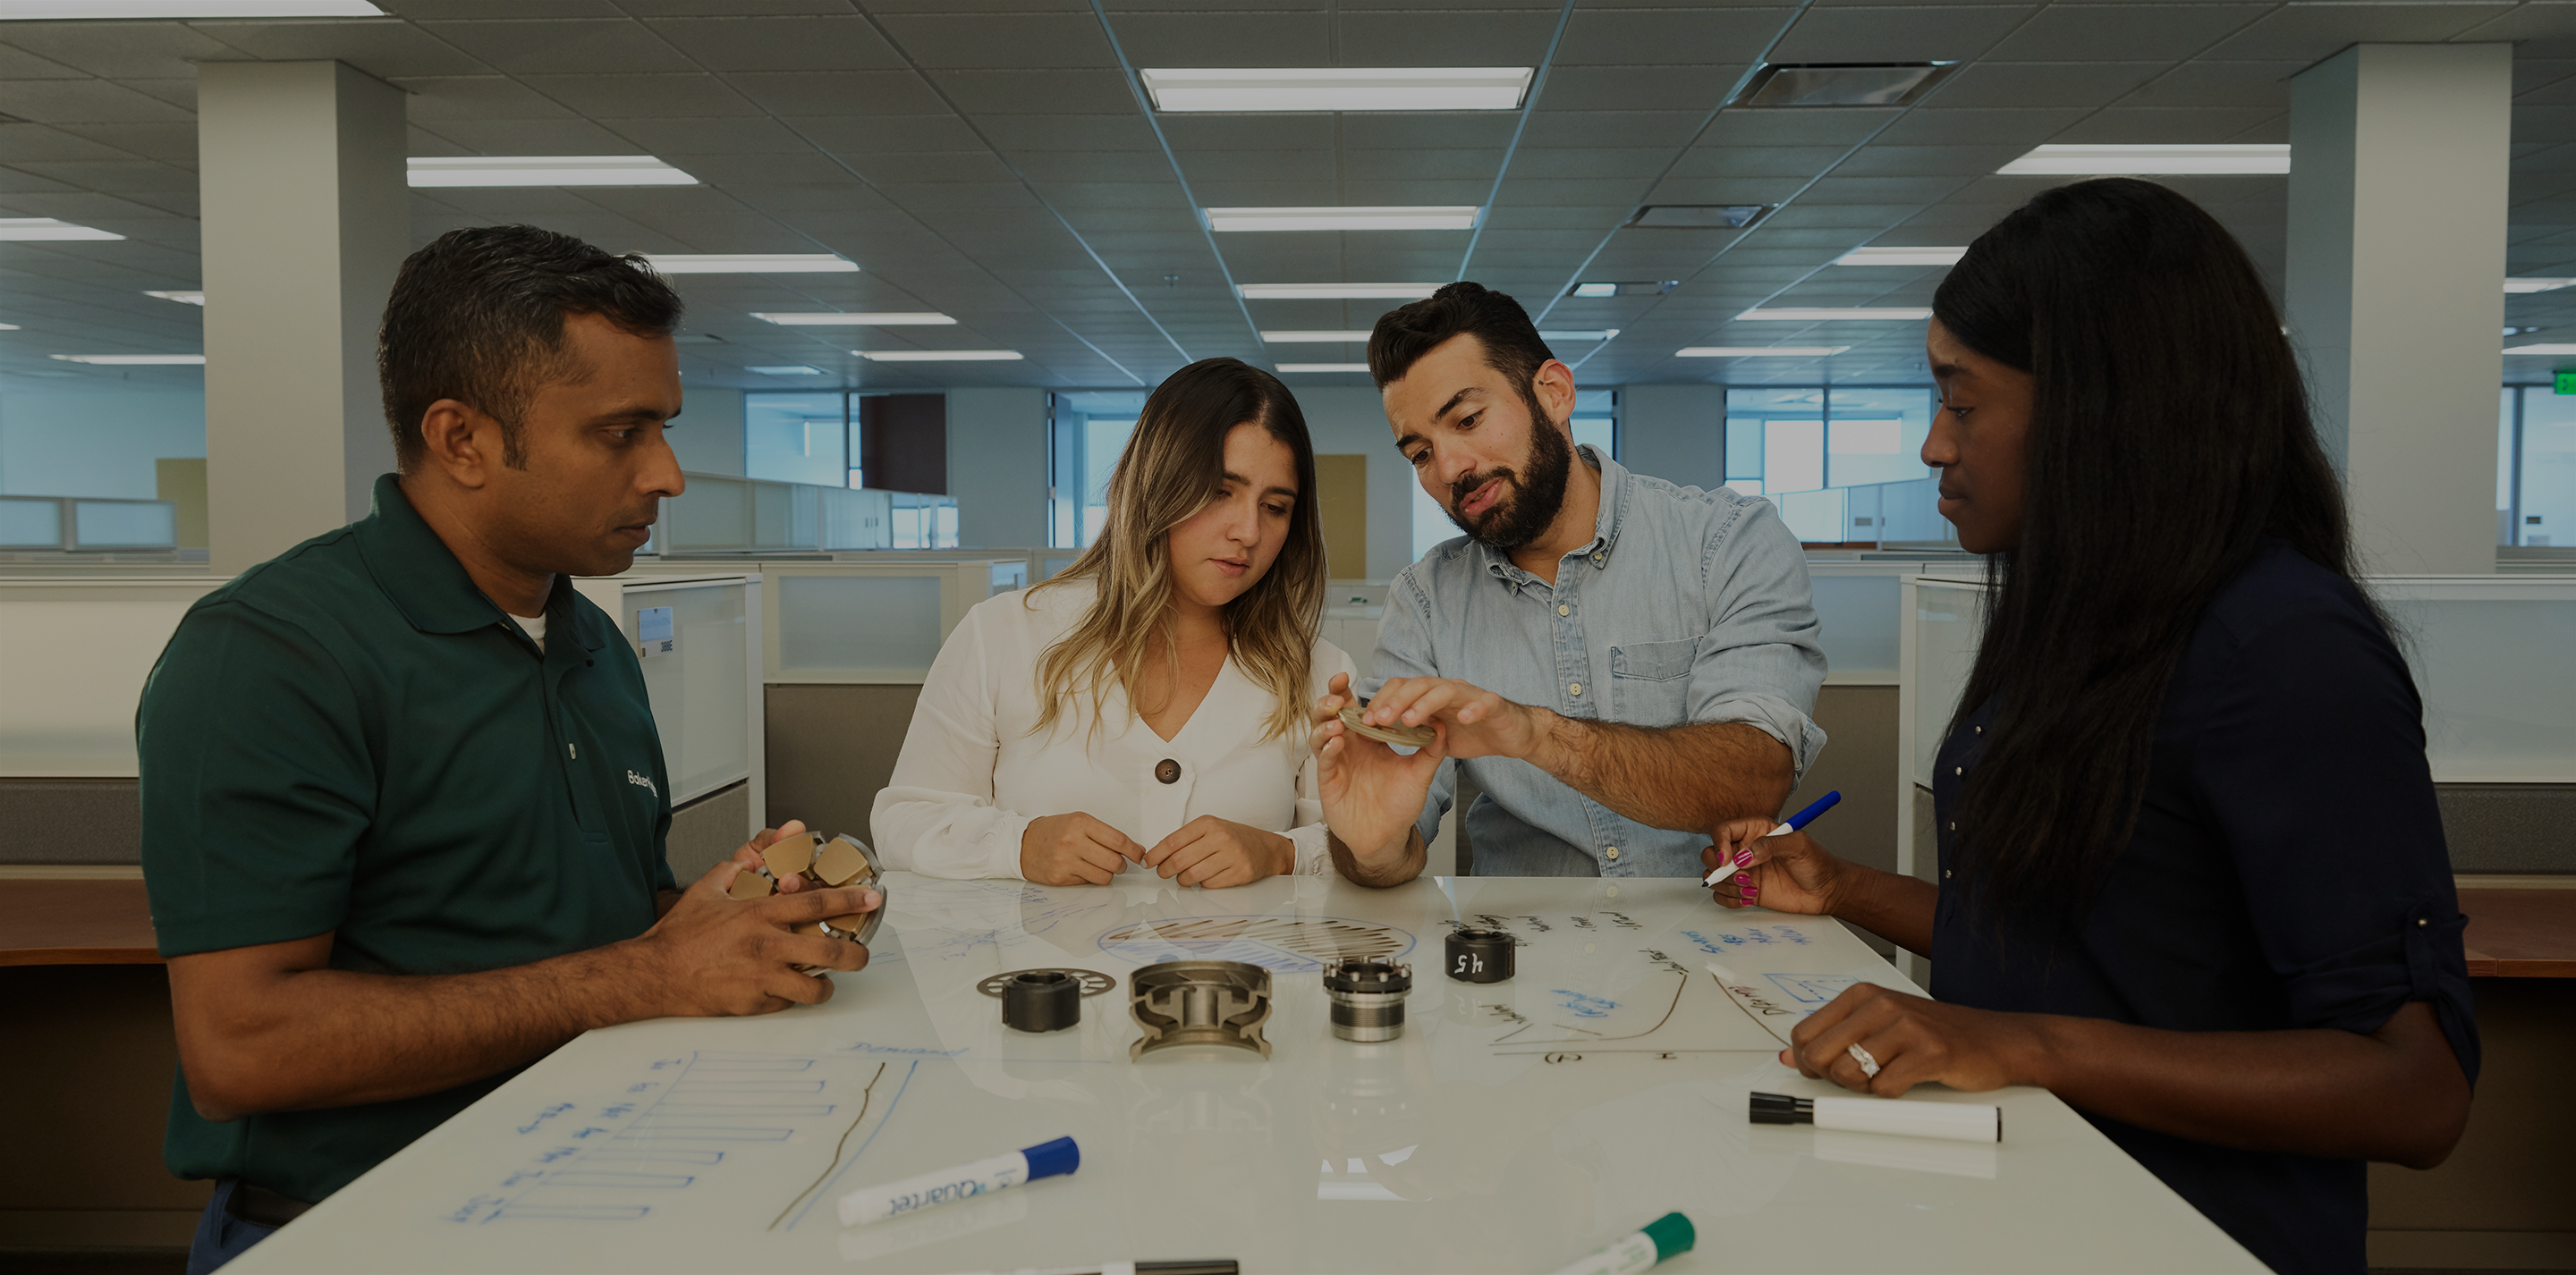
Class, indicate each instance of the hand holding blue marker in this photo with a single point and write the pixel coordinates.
(1793, 824)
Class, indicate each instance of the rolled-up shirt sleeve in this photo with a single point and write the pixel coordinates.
(937, 815)
(2313, 769)
(1764, 660)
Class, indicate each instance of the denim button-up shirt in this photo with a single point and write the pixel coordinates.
(1687, 606)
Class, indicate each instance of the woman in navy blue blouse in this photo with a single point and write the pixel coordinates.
(2192, 877)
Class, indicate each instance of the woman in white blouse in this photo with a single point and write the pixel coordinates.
(1147, 710)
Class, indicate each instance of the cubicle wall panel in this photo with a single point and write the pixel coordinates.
(2510, 828)
(88, 1172)
(2502, 1195)
(700, 689)
(77, 654)
(2490, 658)
(832, 747)
(882, 624)
(707, 831)
(1948, 620)
(71, 821)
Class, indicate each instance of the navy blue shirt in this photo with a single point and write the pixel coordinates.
(2288, 871)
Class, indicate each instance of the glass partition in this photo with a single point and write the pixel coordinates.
(1843, 463)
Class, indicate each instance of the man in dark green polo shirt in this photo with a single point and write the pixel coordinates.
(402, 793)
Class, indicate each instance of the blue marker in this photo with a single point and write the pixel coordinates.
(1000, 1173)
(1796, 822)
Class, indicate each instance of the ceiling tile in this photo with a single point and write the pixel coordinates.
(843, 42)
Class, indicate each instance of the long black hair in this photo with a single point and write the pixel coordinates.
(2169, 436)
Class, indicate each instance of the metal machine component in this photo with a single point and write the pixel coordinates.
(1182, 1003)
(1408, 736)
(842, 861)
(1368, 997)
(1092, 982)
(1480, 956)
(1041, 1001)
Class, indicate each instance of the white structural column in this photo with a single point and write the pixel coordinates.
(2399, 162)
(306, 217)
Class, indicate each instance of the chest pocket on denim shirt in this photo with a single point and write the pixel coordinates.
(1650, 682)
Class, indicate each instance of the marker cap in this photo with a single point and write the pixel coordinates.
(1780, 1108)
(1672, 1233)
(1047, 1159)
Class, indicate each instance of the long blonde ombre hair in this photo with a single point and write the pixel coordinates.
(1173, 465)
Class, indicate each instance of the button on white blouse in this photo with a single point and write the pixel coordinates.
(972, 774)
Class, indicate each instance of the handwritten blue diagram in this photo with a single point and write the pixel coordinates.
(1582, 1005)
(1288, 944)
(1812, 990)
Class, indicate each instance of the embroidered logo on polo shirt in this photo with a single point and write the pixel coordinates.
(641, 781)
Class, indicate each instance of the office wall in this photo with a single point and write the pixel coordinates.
(1351, 419)
(94, 442)
(1674, 432)
(707, 434)
(997, 459)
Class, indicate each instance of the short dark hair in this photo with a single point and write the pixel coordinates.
(478, 316)
(1499, 324)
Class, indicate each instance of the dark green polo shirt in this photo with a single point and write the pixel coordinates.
(350, 738)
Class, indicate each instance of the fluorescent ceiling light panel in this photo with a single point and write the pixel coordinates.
(1335, 88)
(53, 10)
(792, 369)
(1759, 351)
(1813, 84)
(1623, 288)
(1595, 334)
(132, 360)
(1901, 257)
(1323, 367)
(2560, 350)
(1336, 291)
(836, 319)
(8, 327)
(546, 170)
(1834, 314)
(2087, 161)
(1311, 338)
(183, 298)
(1698, 216)
(48, 228)
(751, 263)
(938, 356)
(2536, 285)
(1424, 217)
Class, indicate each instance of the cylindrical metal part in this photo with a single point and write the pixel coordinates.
(1480, 956)
(1041, 1001)
(1368, 997)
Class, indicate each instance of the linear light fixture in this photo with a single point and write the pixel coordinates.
(183, 298)
(1336, 88)
(1834, 314)
(132, 360)
(938, 356)
(1323, 367)
(2124, 160)
(2535, 285)
(64, 10)
(1418, 217)
(9, 327)
(1353, 335)
(1594, 334)
(1759, 351)
(1624, 288)
(1336, 291)
(1811, 84)
(791, 369)
(1901, 257)
(751, 263)
(870, 319)
(1698, 216)
(2560, 350)
(545, 170)
(49, 228)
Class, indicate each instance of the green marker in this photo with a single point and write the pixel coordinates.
(1639, 1250)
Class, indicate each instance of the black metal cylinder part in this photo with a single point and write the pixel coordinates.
(1480, 956)
(1041, 1001)
(1368, 997)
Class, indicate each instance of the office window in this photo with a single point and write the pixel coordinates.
(798, 438)
(1086, 434)
(1842, 463)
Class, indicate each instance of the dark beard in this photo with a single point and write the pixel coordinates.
(1538, 491)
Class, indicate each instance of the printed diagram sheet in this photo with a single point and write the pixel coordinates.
(1601, 1086)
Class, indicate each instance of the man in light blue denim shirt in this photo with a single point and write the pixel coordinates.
(1620, 663)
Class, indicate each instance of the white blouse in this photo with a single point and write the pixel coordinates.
(972, 775)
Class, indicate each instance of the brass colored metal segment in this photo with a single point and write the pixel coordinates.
(790, 855)
(751, 885)
(841, 863)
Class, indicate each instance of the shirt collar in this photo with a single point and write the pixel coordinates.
(1605, 523)
(429, 586)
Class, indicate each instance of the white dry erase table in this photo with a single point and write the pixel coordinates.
(1514, 1127)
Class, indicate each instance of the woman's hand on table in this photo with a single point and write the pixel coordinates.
(1217, 853)
(1786, 873)
(1372, 794)
(1914, 1041)
(1074, 848)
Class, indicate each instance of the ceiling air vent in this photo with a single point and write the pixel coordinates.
(1699, 216)
(1805, 84)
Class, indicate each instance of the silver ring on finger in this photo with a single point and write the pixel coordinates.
(1868, 1064)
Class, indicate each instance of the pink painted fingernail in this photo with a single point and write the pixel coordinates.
(1742, 878)
(1743, 857)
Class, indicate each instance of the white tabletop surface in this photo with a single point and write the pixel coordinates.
(1514, 1127)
